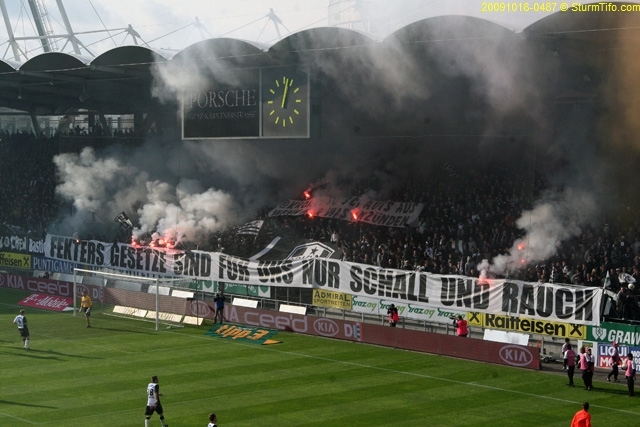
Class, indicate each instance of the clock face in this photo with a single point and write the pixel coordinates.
(285, 99)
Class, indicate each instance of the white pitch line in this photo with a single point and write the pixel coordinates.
(394, 371)
(2, 414)
(472, 384)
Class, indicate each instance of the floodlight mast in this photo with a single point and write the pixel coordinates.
(12, 40)
(43, 27)
(41, 21)
(67, 26)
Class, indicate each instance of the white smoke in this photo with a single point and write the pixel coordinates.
(103, 186)
(555, 218)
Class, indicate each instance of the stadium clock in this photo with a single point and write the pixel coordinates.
(285, 102)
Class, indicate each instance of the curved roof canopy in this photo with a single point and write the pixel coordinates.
(119, 81)
(586, 31)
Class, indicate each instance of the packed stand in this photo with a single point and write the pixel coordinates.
(465, 220)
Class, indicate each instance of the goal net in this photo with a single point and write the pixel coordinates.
(159, 300)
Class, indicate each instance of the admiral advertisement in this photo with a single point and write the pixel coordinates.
(548, 302)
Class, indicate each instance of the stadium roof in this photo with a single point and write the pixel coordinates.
(120, 80)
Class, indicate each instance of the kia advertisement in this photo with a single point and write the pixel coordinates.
(426, 342)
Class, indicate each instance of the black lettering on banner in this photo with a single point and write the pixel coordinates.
(465, 292)
(481, 296)
(275, 271)
(411, 287)
(113, 255)
(307, 272)
(206, 263)
(370, 279)
(527, 301)
(509, 297)
(400, 287)
(178, 265)
(99, 259)
(131, 257)
(544, 303)
(448, 291)
(385, 283)
(162, 261)
(156, 262)
(356, 283)
(473, 317)
(468, 293)
(564, 296)
(321, 272)
(584, 305)
(236, 270)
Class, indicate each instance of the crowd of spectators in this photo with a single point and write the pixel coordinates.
(465, 220)
(27, 193)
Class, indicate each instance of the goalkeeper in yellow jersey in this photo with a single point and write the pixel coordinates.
(85, 306)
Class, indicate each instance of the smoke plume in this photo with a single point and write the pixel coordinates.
(444, 90)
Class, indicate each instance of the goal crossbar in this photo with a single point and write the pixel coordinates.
(141, 287)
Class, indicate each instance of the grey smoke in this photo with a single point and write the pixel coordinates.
(556, 217)
(429, 97)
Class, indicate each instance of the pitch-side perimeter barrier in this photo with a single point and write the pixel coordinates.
(426, 342)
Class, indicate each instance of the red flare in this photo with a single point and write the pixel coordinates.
(306, 194)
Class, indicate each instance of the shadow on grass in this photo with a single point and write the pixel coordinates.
(48, 354)
(30, 405)
(621, 391)
(131, 331)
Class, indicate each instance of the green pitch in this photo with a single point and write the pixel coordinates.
(79, 377)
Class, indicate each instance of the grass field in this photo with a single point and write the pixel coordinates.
(74, 376)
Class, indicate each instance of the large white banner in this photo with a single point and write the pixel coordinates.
(356, 209)
(552, 302)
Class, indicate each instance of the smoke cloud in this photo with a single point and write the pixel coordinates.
(446, 90)
(557, 217)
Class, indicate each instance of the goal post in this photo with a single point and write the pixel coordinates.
(153, 299)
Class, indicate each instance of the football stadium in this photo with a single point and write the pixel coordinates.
(370, 221)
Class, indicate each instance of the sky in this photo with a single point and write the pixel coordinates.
(170, 25)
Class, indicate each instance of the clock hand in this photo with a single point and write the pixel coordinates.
(287, 84)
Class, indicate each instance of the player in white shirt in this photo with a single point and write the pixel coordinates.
(21, 321)
(153, 402)
(212, 420)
